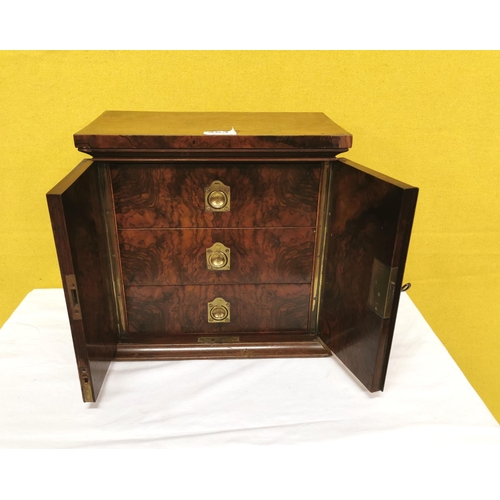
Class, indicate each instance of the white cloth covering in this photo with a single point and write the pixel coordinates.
(313, 408)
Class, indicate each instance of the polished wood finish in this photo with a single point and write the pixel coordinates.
(137, 132)
(371, 218)
(171, 195)
(178, 256)
(167, 310)
(75, 209)
(303, 229)
(283, 345)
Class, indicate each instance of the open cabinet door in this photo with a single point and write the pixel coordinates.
(371, 216)
(78, 223)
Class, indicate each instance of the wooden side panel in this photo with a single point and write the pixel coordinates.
(167, 310)
(77, 222)
(178, 256)
(172, 195)
(371, 218)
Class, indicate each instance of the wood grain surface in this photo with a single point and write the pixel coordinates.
(278, 345)
(166, 310)
(178, 256)
(371, 218)
(78, 225)
(172, 195)
(143, 130)
(160, 164)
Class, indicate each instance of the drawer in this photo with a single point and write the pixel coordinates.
(179, 256)
(173, 195)
(167, 310)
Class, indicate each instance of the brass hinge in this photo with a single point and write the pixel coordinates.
(74, 301)
(382, 289)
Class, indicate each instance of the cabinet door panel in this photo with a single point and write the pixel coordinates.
(370, 225)
(79, 233)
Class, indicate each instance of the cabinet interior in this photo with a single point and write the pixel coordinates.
(160, 236)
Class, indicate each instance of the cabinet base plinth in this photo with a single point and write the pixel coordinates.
(289, 346)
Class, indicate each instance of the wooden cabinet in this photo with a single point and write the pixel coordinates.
(228, 235)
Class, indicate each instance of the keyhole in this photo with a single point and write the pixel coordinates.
(74, 297)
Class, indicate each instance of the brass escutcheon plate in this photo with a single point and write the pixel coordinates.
(217, 197)
(219, 311)
(218, 257)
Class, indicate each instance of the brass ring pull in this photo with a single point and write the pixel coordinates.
(219, 311)
(218, 260)
(217, 197)
(218, 257)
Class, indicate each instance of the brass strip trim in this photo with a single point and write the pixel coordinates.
(321, 241)
(108, 209)
(88, 396)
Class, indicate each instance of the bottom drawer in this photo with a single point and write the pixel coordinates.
(184, 309)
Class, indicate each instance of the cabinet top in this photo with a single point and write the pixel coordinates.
(146, 131)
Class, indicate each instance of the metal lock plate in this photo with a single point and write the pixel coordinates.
(382, 289)
(218, 257)
(76, 311)
(219, 311)
(217, 197)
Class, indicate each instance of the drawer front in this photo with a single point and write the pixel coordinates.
(167, 310)
(173, 195)
(179, 256)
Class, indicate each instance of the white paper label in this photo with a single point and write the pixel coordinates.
(221, 132)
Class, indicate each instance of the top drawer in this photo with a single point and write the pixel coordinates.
(173, 195)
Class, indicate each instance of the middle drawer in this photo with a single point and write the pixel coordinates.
(179, 256)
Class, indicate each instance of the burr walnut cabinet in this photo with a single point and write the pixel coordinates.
(228, 235)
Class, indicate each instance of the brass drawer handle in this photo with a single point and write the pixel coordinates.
(218, 257)
(217, 197)
(219, 311)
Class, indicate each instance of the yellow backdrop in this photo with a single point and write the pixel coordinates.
(431, 119)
